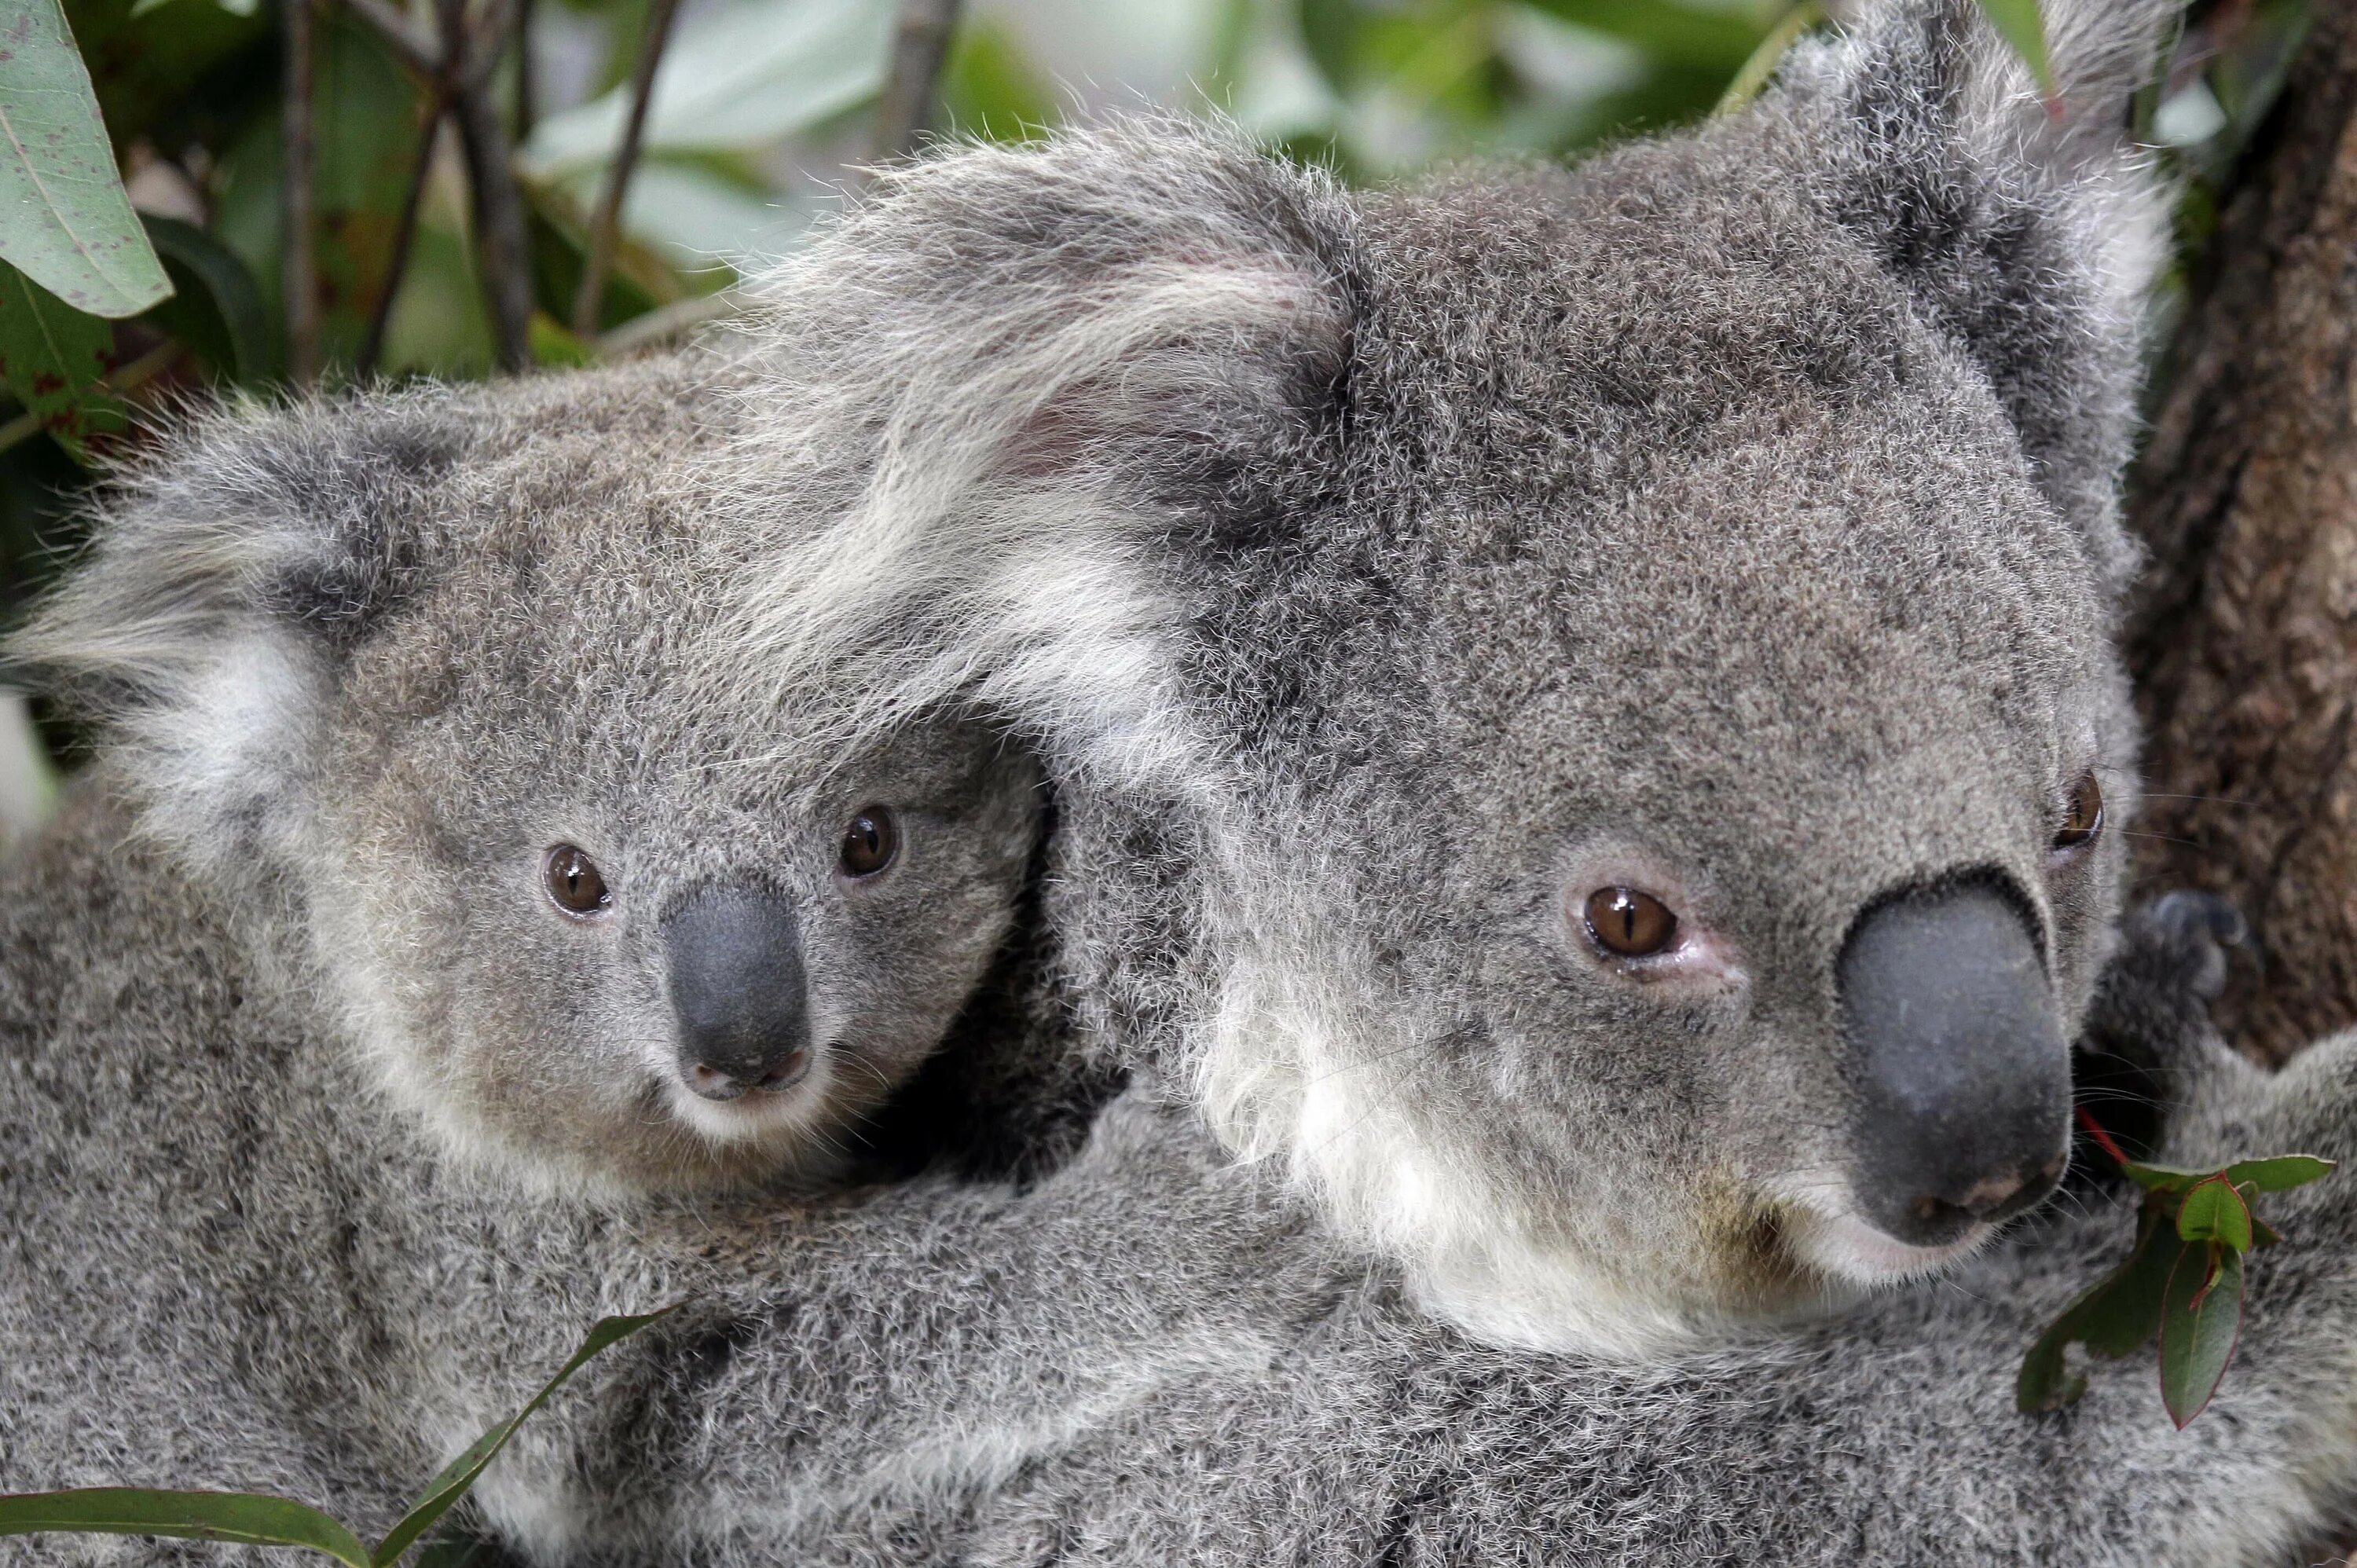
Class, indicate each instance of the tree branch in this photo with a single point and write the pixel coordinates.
(607, 220)
(503, 238)
(299, 285)
(921, 47)
(405, 236)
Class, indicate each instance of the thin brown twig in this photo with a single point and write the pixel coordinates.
(404, 234)
(921, 47)
(299, 259)
(527, 96)
(606, 222)
(503, 238)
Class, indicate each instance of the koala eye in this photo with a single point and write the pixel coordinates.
(2085, 819)
(1627, 923)
(870, 840)
(575, 883)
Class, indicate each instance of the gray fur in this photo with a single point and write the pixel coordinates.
(1372, 570)
(1731, 515)
(361, 665)
(298, 1058)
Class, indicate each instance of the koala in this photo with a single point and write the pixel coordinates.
(1157, 1356)
(1585, 735)
(437, 900)
(446, 703)
(1582, 702)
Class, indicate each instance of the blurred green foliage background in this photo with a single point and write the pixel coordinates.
(761, 113)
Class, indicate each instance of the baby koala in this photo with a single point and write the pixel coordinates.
(434, 686)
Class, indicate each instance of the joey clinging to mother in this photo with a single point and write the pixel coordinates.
(436, 687)
(1583, 702)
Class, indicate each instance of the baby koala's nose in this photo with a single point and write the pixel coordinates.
(736, 985)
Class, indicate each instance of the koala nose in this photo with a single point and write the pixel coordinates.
(736, 985)
(1961, 1077)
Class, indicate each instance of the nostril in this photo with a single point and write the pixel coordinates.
(712, 1083)
(786, 1074)
(1984, 1197)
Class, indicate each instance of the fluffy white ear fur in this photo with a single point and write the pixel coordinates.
(1012, 381)
(204, 695)
(201, 633)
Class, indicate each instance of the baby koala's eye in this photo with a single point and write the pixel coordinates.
(575, 883)
(1627, 923)
(870, 840)
(2085, 819)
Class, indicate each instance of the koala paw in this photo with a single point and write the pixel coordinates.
(2148, 1035)
(2182, 938)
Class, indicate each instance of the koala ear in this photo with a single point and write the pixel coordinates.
(1016, 368)
(227, 577)
(2024, 223)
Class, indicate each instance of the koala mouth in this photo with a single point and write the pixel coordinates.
(1843, 1246)
(785, 1103)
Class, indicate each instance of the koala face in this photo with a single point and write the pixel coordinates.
(1584, 700)
(450, 666)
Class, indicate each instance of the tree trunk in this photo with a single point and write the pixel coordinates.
(2243, 644)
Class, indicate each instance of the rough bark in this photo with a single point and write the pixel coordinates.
(2245, 642)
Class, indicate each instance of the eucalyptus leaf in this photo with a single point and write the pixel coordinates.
(1713, 40)
(2279, 1173)
(53, 358)
(242, 1519)
(65, 220)
(2120, 1314)
(739, 76)
(2199, 1320)
(2162, 1179)
(2213, 1210)
(2023, 25)
(223, 317)
(448, 1489)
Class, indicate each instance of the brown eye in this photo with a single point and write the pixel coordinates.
(574, 881)
(2085, 819)
(1630, 924)
(870, 841)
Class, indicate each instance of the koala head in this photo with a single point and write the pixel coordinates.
(1586, 698)
(446, 671)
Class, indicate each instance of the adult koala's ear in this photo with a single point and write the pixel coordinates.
(2024, 223)
(1015, 369)
(227, 577)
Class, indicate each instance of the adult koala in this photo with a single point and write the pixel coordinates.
(1584, 700)
(1725, 528)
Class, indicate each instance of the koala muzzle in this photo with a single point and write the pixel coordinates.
(738, 987)
(1960, 1075)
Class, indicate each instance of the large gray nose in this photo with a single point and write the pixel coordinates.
(736, 985)
(1961, 1077)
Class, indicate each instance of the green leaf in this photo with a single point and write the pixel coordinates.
(54, 358)
(446, 1490)
(218, 309)
(2211, 1210)
(733, 77)
(2162, 1179)
(2279, 1173)
(1713, 40)
(1760, 66)
(65, 220)
(2200, 1321)
(452, 1550)
(552, 343)
(2119, 1314)
(239, 1518)
(2022, 25)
